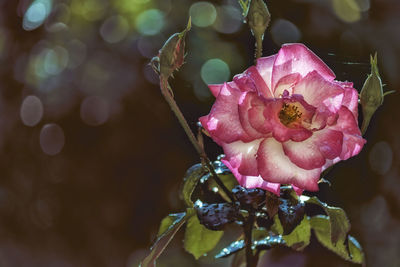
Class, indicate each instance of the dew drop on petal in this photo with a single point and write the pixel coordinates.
(52, 139)
(31, 111)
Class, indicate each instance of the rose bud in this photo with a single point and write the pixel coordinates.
(258, 18)
(371, 96)
(171, 55)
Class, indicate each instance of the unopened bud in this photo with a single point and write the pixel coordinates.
(371, 95)
(258, 18)
(171, 56)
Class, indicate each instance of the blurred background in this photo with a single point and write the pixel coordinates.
(91, 157)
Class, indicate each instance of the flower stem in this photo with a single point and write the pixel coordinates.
(166, 92)
(251, 259)
(258, 48)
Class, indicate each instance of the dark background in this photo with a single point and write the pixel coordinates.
(91, 158)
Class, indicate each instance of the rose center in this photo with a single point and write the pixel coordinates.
(289, 113)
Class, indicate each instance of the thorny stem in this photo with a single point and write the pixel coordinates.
(165, 90)
(251, 259)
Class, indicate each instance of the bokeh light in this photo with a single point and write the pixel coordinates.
(150, 22)
(94, 110)
(36, 14)
(203, 14)
(228, 20)
(381, 157)
(284, 31)
(114, 29)
(215, 71)
(52, 139)
(347, 10)
(31, 111)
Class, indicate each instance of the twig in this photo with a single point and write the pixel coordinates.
(248, 228)
(166, 92)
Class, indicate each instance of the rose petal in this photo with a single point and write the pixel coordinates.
(215, 88)
(286, 83)
(223, 122)
(316, 91)
(243, 156)
(264, 67)
(247, 101)
(251, 80)
(275, 167)
(293, 58)
(352, 140)
(252, 181)
(304, 154)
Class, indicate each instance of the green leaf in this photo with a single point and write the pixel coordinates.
(225, 175)
(198, 239)
(168, 231)
(269, 242)
(339, 224)
(239, 260)
(190, 181)
(277, 226)
(321, 226)
(299, 238)
(169, 222)
(231, 249)
(355, 249)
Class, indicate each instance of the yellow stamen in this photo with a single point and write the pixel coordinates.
(289, 113)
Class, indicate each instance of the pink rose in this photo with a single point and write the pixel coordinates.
(284, 121)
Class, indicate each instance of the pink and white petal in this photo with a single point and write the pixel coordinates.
(352, 139)
(305, 154)
(286, 83)
(298, 58)
(261, 86)
(346, 122)
(316, 91)
(215, 89)
(223, 121)
(274, 166)
(243, 156)
(244, 82)
(352, 145)
(298, 190)
(247, 101)
(252, 181)
(329, 142)
(264, 66)
(350, 100)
